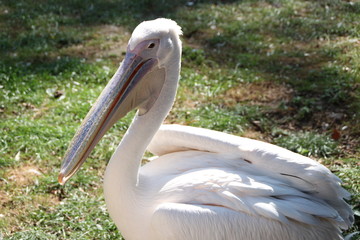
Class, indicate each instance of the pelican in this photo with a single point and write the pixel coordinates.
(201, 184)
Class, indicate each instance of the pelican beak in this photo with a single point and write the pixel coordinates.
(120, 96)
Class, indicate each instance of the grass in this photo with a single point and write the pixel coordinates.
(307, 143)
(287, 72)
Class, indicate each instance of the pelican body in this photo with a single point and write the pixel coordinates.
(201, 184)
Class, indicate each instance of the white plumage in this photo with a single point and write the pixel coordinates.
(202, 184)
(291, 192)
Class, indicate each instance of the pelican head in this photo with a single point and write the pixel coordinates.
(136, 84)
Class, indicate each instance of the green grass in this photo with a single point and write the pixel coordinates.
(307, 143)
(287, 72)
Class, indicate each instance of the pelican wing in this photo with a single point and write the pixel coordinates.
(183, 221)
(246, 175)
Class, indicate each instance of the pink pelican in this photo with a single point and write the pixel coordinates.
(202, 184)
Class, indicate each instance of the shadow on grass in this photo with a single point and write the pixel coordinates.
(294, 46)
(44, 24)
(34, 33)
(284, 43)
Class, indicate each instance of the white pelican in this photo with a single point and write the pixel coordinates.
(203, 184)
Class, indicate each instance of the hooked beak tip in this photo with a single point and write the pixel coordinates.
(61, 179)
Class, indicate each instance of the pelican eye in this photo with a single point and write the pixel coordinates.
(151, 45)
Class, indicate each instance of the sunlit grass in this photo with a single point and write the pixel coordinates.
(307, 144)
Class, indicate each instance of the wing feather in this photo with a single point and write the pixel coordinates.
(246, 175)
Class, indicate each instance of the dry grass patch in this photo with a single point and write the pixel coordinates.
(14, 213)
(19, 200)
(258, 93)
(4, 197)
(343, 41)
(23, 175)
(317, 53)
(105, 41)
(254, 135)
